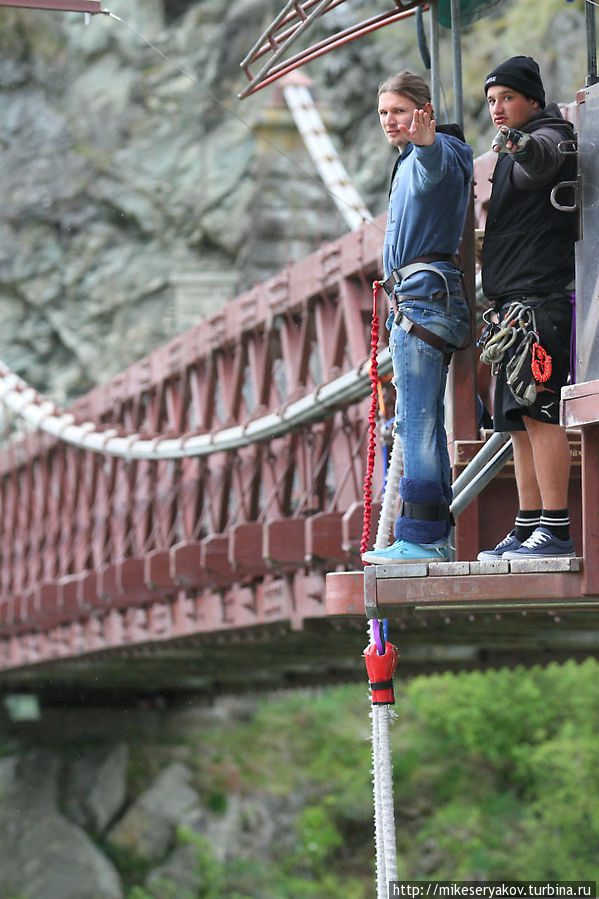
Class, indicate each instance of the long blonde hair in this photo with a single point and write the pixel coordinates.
(408, 85)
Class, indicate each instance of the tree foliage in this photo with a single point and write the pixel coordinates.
(495, 777)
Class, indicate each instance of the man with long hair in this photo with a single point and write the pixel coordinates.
(429, 315)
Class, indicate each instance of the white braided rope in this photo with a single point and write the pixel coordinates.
(382, 780)
(43, 414)
(387, 514)
(383, 712)
(381, 866)
(384, 815)
(382, 786)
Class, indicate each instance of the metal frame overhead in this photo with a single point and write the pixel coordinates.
(91, 7)
(293, 21)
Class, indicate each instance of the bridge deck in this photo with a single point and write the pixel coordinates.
(383, 591)
(467, 615)
(442, 616)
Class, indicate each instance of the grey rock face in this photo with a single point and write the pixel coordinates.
(179, 870)
(149, 824)
(129, 165)
(42, 855)
(95, 786)
(125, 166)
(250, 827)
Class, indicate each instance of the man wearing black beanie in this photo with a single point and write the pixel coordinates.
(520, 73)
(528, 274)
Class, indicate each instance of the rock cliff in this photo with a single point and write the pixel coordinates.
(139, 194)
(80, 813)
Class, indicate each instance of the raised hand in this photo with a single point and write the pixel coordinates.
(422, 130)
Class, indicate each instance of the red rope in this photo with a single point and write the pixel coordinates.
(372, 415)
(541, 363)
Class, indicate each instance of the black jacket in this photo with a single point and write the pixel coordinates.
(529, 245)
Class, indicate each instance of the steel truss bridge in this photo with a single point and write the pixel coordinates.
(194, 524)
(182, 554)
(107, 556)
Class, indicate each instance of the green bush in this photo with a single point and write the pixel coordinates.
(495, 777)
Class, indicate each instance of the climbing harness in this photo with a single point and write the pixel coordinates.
(516, 340)
(381, 658)
(401, 319)
(412, 327)
(419, 264)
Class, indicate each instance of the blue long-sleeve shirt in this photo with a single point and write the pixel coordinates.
(427, 210)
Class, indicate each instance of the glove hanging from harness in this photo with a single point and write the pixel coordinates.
(518, 140)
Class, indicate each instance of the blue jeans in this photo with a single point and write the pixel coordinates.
(420, 377)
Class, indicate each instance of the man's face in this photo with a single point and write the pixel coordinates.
(395, 110)
(510, 108)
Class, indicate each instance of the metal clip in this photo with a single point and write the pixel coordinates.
(568, 147)
(379, 633)
(564, 184)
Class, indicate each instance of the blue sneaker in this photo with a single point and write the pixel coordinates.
(542, 544)
(508, 544)
(403, 551)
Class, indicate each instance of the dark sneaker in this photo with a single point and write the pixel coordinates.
(508, 544)
(542, 544)
(403, 551)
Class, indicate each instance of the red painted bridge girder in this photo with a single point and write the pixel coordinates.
(101, 555)
(95, 549)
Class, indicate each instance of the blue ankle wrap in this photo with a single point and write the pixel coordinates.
(416, 530)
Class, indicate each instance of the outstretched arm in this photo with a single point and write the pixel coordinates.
(536, 156)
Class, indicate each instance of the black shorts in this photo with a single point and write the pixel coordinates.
(554, 326)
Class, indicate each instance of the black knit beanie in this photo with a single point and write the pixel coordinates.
(520, 73)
